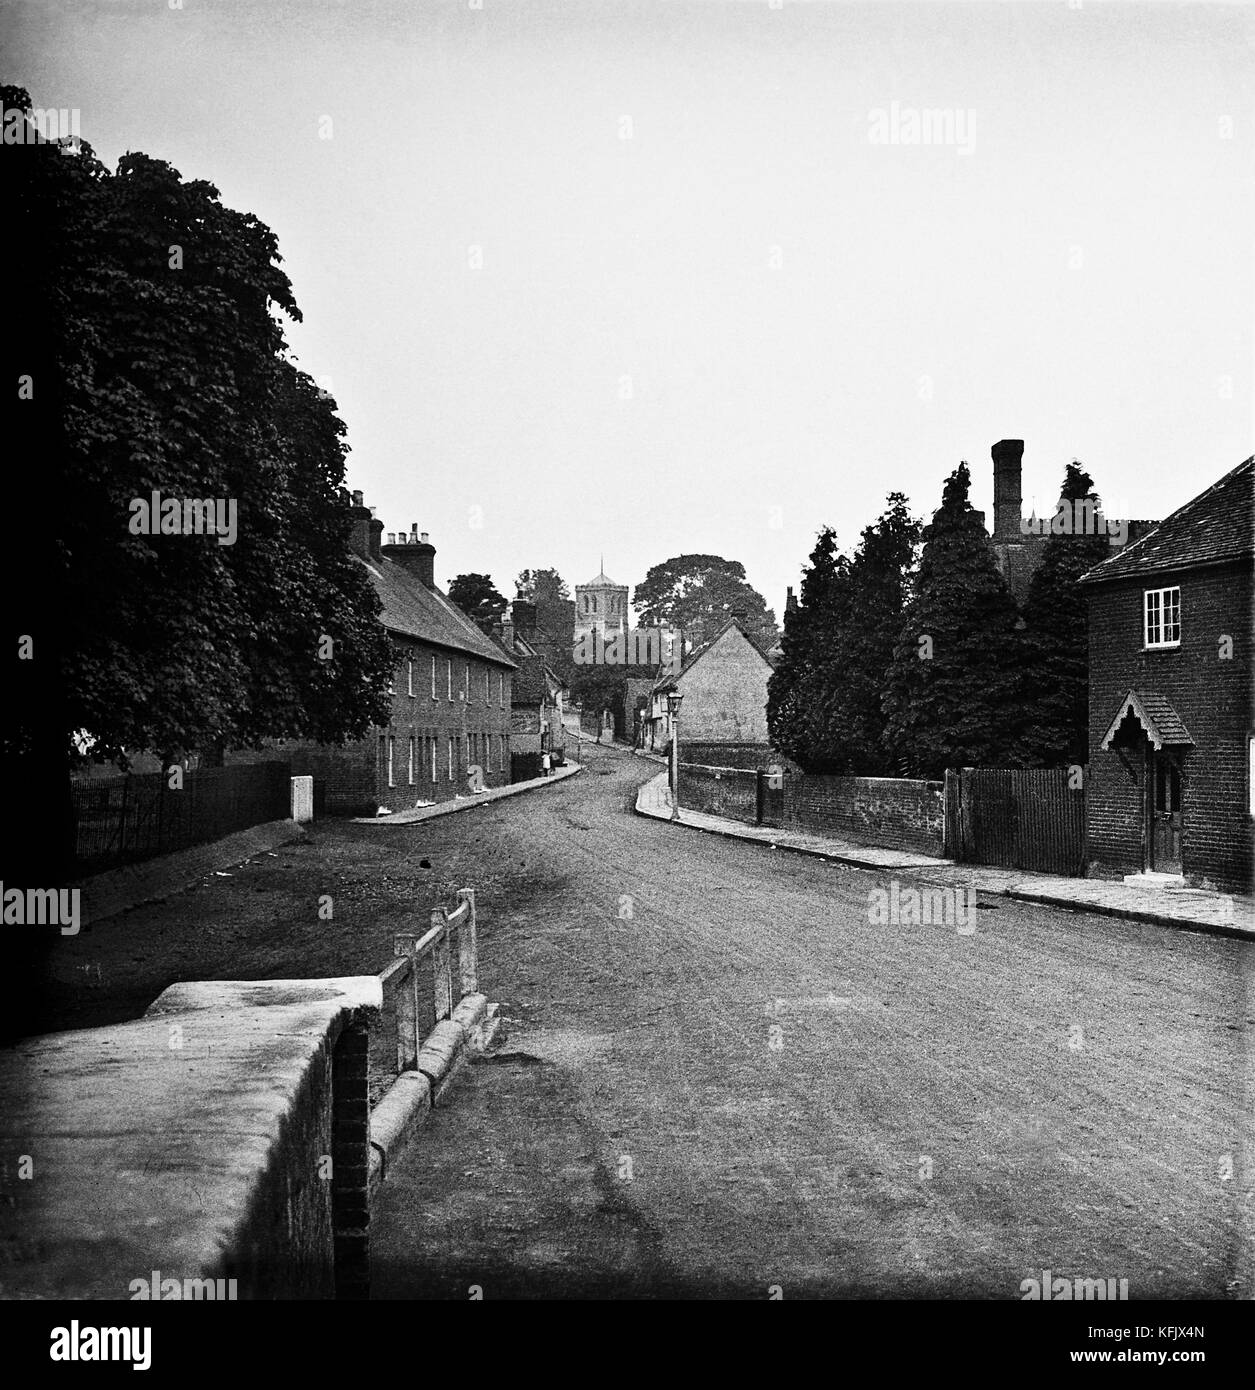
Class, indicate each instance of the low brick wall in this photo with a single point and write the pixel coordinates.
(889, 812)
(719, 791)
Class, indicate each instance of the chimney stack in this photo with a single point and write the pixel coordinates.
(415, 554)
(790, 603)
(1008, 455)
(361, 524)
(524, 614)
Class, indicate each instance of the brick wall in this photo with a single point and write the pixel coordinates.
(1213, 698)
(356, 776)
(892, 813)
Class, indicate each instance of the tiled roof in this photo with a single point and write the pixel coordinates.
(411, 609)
(1217, 525)
(602, 582)
(1154, 712)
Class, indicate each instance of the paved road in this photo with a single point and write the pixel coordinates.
(746, 1083)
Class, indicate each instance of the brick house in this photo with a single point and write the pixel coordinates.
(724, 684)
(451, 693)
(1171, 711)
(537, 705)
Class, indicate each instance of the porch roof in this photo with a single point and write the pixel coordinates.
(1154, 712)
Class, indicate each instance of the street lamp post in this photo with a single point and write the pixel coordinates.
(673, 709)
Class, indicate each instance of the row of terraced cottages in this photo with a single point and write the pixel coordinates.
(449, 730)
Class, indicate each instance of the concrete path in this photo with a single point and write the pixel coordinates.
(720, 1077)
(1193, 908)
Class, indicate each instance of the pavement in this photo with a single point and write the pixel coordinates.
(416, 814)
(718, 1075)
(1194, 909)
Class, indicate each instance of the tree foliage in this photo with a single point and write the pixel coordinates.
(1056, 616)
(476, 595)
(541, 586)
(954, 689)
(167, 310)
(824, 699)
(697, 594)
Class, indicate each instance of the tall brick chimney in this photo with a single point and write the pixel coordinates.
(524, 614)
(1008, 456)
(364, 530)
(414, 553)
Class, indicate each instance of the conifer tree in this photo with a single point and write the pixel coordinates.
(1056, 615)
(953, 693)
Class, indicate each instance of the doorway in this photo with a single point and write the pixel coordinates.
(1164, 813)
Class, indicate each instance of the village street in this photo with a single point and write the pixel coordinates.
(743, 1085)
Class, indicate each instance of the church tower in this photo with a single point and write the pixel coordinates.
(601, 607)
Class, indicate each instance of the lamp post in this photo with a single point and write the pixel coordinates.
(673, 709)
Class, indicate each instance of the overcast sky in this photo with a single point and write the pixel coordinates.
(718, 304)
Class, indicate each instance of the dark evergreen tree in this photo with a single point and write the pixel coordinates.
(953, 696)
(800, 687)
(1056, 616)
(853, 719)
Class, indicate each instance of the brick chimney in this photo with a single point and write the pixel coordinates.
(414, 553)
(790, 603)
(1008, 455)
(524, 613)
(364, 530)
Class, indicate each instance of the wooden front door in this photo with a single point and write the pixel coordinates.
(1165, 814)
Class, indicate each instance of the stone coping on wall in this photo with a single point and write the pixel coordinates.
(161, 1144)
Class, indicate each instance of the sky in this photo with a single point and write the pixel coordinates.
(642, 279)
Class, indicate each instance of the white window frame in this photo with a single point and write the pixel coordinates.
(466, 683)
(391, 756)
(501, 746)
(450, 757)
(409, 676)
(435, 754)
(1156, 603)
(487, 687)
(434, 696)
(1250, 774)
(411, 760)
(448, 676)
(501, 689)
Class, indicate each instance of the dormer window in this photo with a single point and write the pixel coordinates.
(1162, 617)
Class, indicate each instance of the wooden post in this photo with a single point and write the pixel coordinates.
(407, 1004)
(442, 971)
(468, 948)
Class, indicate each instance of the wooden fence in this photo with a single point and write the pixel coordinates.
(119, 820)
(420, 960)
(1016, 818)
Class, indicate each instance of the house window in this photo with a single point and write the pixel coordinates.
(391, 746)
(501, 689)
(501, 743)
(450, 757)
(466, 683)
(409, 677)
(1163, 617)
(433, 678)
(487, 686)
(448, 676)
(432, 742)
(411, 760)
(1250, 775)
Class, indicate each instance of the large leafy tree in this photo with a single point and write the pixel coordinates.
(168, 372)
(541, 586)
(954, 688)
(697, 593)
(1056, 615)
(476, 595)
